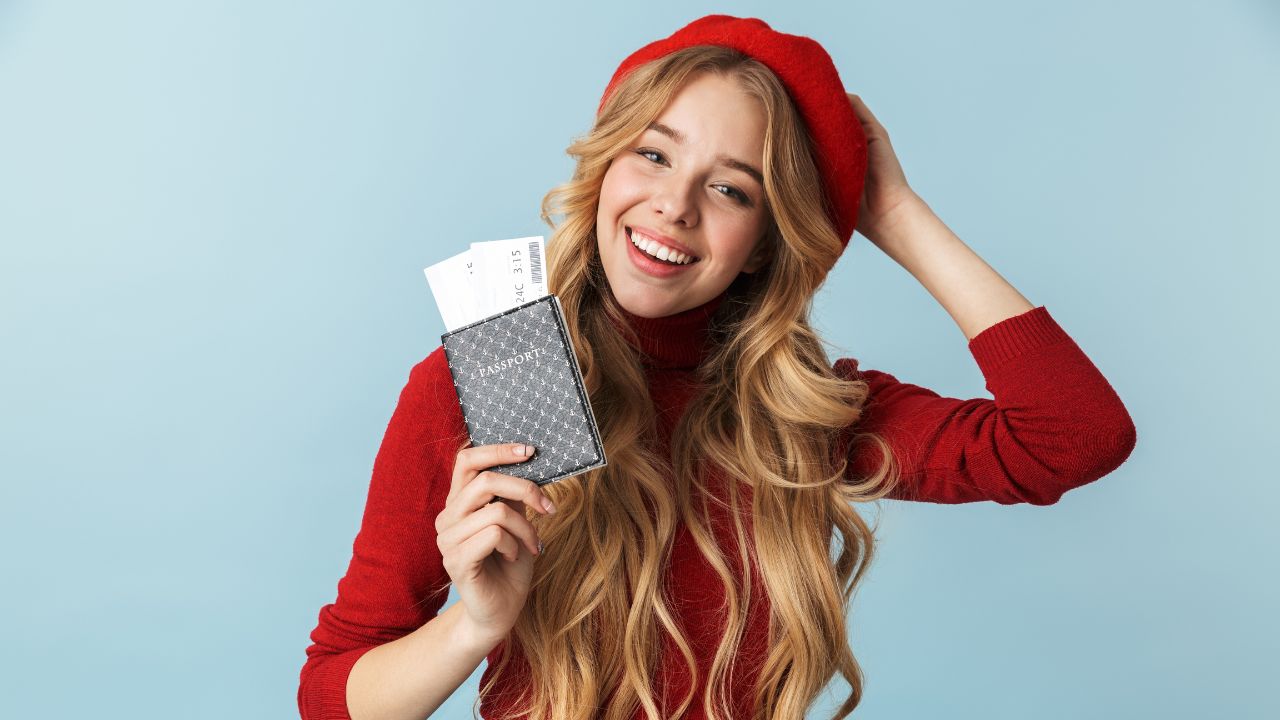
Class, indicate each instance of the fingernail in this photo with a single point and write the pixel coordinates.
(546, 503)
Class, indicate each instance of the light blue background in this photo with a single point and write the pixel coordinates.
(213, 223)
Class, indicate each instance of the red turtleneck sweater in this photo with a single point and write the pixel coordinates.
(1055, 424)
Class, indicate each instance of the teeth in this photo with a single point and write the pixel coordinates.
(658, 250)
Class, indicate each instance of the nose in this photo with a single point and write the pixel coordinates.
(675, 199)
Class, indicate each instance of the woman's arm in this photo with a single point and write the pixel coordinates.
(899, 222)
(1055, 423)
(381, 649)
(970, 290)
(410, 678)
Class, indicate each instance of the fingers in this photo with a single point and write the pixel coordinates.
(490, 485)
(864, 113)
(470, 461)
(499, 515)
(473, 521)
(481, 545)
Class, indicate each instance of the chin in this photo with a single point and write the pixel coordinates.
(638, 304)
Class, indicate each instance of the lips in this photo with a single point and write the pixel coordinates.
(652, 266)
(663, 239)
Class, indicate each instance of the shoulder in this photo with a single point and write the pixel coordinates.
(431, 375)
(848, 369)
(884, 391)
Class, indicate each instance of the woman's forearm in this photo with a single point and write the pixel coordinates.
(970, 290)
(409, 678)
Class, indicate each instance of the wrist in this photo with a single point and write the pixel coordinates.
(914, 232)
(896, 226)
(466, 633)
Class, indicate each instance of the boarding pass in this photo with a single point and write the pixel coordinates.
(488, 278)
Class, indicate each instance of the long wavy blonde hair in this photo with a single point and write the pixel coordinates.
(769, 416)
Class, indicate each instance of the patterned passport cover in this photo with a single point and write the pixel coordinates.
(518, 380)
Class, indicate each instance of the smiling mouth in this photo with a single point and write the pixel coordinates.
(676, 258)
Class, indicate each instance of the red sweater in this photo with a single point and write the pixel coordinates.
(1055, 424)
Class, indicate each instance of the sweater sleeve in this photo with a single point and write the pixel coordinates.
(1055, 423)
(395, 581)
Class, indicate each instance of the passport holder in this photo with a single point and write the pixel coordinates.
(518, 380)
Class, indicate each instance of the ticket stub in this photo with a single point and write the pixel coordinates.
(488, 278)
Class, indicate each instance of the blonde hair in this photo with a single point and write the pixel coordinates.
(770, 415)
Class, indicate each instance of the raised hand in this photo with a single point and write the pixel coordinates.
(487, 542)
(885, 193)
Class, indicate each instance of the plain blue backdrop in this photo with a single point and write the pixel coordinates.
(213, 223)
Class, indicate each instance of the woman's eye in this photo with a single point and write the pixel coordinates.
(649, 152)
(734, 193)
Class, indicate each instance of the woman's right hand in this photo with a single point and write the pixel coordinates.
(487, 542)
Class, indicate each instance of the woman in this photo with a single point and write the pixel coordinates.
(694, 576)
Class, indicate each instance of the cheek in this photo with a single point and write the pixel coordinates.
(621, 187)
(609, 208)
(738, 240)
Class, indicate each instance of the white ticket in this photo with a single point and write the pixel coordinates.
(488, 278)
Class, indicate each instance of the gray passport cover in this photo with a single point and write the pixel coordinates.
(518, 380)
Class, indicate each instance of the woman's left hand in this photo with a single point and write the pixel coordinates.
(885, 191)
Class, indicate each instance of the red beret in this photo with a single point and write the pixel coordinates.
(810, 77)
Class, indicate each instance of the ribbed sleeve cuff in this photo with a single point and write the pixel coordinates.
(326, 695)
(1015, 336)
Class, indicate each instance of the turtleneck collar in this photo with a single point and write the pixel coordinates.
(674, 341)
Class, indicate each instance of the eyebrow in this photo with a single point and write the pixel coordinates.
(723, 159)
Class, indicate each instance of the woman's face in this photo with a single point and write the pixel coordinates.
(692, 182)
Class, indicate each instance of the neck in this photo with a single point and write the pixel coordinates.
(673, 341)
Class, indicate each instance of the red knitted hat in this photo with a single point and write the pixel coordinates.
(811, 80)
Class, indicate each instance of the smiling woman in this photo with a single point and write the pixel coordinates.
(734, 496)
(680, 186)
(708, 570)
